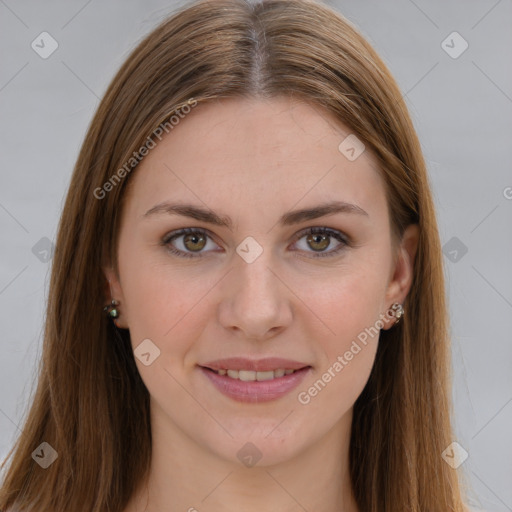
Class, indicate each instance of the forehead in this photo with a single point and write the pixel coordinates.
(257, 152)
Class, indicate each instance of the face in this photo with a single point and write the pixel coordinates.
(254, 279)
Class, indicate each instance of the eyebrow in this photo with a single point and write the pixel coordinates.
(288, 219)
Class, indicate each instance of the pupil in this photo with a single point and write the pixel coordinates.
(314, 239)
(194, 238)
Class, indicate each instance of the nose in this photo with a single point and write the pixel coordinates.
(256, 300)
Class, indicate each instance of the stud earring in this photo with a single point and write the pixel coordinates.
(111, 309)
(397, 311)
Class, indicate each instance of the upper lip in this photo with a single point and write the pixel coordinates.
(257, 365)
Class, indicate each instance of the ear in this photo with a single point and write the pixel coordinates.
(113, 290)
(403, 271)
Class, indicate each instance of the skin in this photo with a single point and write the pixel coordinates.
(255, 160)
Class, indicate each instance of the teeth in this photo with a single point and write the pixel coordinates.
(246, 375)
(264, 375)
(251, 376)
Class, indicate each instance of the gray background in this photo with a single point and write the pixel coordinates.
(461, 107)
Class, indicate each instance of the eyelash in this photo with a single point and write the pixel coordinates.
(313, 231)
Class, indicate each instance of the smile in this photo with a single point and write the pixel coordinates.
(255, 386)
(251, 376)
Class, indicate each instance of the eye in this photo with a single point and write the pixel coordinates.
(318, 239)
(196, 239)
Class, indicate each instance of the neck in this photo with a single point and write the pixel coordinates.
(187, 477)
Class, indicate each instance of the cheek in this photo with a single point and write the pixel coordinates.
(351, 311)
(347, 335)
(163, 302)
(346, 301)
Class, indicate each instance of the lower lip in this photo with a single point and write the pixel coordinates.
(255, 391)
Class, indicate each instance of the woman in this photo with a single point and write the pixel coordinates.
(247, 302)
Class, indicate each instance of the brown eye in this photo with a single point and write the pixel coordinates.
(318, 242)
(318, 239)
(188, 242)
(194, 242)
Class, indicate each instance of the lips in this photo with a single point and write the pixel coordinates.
(247, 380)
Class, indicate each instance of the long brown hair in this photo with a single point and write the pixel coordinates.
(91, 405)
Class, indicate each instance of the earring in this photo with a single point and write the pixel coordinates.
(110, 309)
(397, 311)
